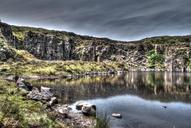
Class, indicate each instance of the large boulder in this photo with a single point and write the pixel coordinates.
(43, 95)
(86, 108)
(46, 92)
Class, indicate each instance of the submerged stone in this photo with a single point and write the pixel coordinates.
(116, 115)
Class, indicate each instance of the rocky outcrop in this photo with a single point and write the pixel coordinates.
(175, 52)
(7, 34)
(48, 47)
(6, 52)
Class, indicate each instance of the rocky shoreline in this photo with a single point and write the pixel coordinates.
(78, 115)
(74, 76)
(92, 74)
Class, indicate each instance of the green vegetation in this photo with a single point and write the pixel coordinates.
(16, 111)
(102, 123)
(6, 51)
(23, 63)
(155, 59)
(19, 32)
(56, 68)
(167, 40)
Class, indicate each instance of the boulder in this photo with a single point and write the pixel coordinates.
(89, 110)
(86, 108)
(35, 95)
(46, 95)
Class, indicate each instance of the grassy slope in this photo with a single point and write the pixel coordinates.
(25, 64)
(15, 110)
(56, 68)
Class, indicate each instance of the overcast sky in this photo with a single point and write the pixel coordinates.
(115, 19)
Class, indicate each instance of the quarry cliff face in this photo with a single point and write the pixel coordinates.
(166, 53)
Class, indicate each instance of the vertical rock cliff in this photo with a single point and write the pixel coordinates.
(166, 53)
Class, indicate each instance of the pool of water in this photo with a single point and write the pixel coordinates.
(145, 99)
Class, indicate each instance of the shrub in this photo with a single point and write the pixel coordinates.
(155, 59)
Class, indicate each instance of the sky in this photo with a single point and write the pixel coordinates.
(115, 19)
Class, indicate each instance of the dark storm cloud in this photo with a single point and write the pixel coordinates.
(116, 19)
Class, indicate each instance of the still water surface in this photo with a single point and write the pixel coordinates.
(145, 99)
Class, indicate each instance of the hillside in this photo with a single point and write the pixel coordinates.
(37, 44)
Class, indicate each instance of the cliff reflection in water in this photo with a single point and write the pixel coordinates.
(150, 85)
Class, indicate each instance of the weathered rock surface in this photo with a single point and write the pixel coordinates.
(55, 45)
(48, 47)
(86, 108)
(6, 52)
(35, 94)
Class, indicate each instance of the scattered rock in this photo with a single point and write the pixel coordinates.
(116, 115)
(21, 83)
(53, 101)
(62, 109)
(79, 105)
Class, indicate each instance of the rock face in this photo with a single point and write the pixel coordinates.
(6, 32)
(170, 53)
(6, 52)
(48, 47)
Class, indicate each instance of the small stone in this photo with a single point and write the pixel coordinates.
(117, 115)
(53, 101)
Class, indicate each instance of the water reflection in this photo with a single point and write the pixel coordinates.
(163, 86)
(140, 113)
